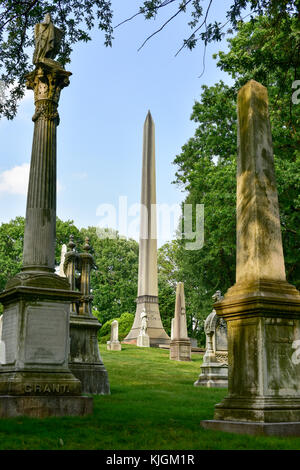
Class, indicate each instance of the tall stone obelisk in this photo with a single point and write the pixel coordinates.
(147, 279)
(35, 378)
(262, 310)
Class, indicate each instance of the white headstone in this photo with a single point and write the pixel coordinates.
(114, 343)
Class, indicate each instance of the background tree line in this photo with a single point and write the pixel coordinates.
(113, 282)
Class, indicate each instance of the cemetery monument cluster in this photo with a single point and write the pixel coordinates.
(49, 353)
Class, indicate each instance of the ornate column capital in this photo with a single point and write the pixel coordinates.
(47, 80)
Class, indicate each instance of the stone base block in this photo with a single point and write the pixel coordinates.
(28, 383)
(213, 375)
(256, 429)
(93, 378)
(43, 407)
(180, 350)
(155, 328)
(143, 341)
(114, 346)
(259, 409)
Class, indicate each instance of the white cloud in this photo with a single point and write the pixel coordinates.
(80, 175)
(15, 180)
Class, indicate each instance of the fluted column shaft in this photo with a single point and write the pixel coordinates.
(46, 81)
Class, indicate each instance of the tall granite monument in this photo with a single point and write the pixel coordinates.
(35, 378)
(180, 345)
(147, 278)
(262, 310)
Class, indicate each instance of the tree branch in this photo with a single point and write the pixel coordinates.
(165, 24)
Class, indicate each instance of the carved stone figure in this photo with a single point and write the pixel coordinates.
(144, 322)
(143, 339)
(214, 370)
(47, 40)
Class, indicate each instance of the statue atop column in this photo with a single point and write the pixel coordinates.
(48, 40)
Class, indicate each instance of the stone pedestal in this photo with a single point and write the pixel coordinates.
(263, 326)
(213, 374)
(35, 334)
(155, 329)
(143, 341)
(114, 346)
(85, 361)
(180, 350)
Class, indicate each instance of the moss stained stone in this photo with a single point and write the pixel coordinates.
(262, 310)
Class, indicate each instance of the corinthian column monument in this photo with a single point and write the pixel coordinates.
(35, 379)
(147, 279)
(262, 310)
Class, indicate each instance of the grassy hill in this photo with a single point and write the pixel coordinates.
(153, 405)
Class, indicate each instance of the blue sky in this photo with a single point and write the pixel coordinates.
(102, 115)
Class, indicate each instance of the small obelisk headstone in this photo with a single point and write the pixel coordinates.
(262, 310)
(143, 339)
(147, 275)
(114, 343)
(35, 379)
(214, 369)
(180, 345)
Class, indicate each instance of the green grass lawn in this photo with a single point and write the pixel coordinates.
(153, 405)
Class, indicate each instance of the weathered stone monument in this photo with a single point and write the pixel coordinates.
(214, 369)
(114, 343)
(35, 378)
(143, 339)
(147, 279)
(85, 361)
(180, 345)
(262, 310)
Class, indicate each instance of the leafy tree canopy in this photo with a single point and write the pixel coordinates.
(77, 19)
(206, 167)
